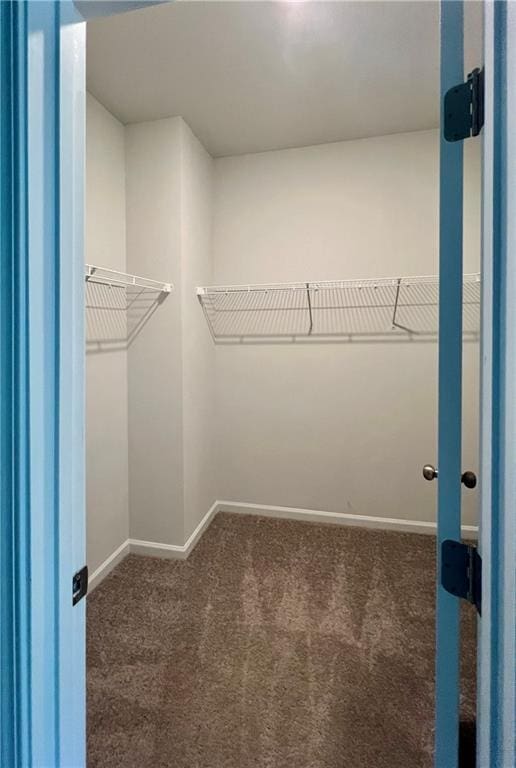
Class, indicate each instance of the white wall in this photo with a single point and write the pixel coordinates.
(171, 389)
(106, 370)
(340, 427)
(153, 190)
(198, 350)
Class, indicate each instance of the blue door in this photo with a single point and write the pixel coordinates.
(450, 393)
(495, 566)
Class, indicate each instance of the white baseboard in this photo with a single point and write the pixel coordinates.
(152, 549)
(338, 518)
(177, 551)
(109, 563)
(181, 552)
(155, 549)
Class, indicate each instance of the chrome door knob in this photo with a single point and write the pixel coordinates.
(430, 472)
(469, 479)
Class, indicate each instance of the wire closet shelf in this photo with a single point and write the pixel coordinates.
(118, 305)
(111, 277)
(403, 306)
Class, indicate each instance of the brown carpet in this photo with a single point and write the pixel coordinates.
(277, 644)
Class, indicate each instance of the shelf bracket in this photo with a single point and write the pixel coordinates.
(394, 324)
(309, 299)
(396, 300)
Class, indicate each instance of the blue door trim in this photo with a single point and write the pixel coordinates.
(7, 640)
(450, 392)
(497, 658)
(42, 350)
(71, 489)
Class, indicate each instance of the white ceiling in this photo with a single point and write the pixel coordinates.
(254, 76)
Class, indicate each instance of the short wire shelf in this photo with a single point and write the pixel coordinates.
(403, 306)
(118, 305)
(112, 277)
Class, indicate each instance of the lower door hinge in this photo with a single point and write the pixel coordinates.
(461, 571)
(464, 108)
(79, 585)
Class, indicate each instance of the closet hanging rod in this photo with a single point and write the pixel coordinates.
(106, 276)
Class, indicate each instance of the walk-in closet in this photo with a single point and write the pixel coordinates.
(261, 304)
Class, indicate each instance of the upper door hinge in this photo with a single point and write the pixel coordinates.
(461, 571)
(464, 108)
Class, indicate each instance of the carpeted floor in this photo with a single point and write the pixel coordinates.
(277, 644)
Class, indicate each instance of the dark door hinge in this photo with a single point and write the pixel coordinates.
(461, 571)
(464, 108)
(79, 585)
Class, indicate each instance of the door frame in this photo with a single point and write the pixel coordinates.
(41, 384)
(497, 628)
(42, 515)
(42, 457)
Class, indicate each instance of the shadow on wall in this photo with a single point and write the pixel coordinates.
(115, 315)
(286, 326)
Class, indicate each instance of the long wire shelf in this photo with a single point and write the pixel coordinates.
(334, 308)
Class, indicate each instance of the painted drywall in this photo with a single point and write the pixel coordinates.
(153, 211)
(343, 427)
(171, 359)
(106, 369)
(198, 352)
